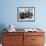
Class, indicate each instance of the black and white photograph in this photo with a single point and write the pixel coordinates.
(26, 13)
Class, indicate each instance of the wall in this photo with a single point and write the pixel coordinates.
(9, 13)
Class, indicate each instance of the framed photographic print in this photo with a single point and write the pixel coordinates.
(26, 14)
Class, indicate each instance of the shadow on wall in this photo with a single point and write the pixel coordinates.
(2, 26)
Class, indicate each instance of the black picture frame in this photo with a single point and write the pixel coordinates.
(26, 14)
